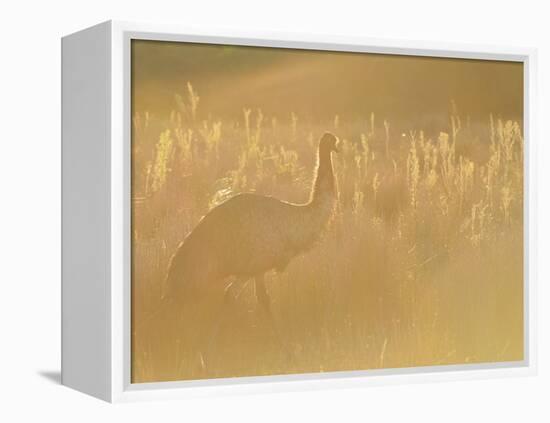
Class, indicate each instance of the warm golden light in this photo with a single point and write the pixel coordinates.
(413, 257)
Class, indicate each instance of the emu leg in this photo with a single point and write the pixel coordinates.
(265, 304)
(261, 294)
(231, 293)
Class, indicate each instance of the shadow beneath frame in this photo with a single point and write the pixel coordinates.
(53, 376)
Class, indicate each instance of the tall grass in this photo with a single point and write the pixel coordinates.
(422, 265)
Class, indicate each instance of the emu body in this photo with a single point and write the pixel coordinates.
(250, 234)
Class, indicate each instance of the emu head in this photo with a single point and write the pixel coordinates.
(329, 143)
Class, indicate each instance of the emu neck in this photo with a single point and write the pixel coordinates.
(324, 186)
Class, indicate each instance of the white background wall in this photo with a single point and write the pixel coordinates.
(30, 207)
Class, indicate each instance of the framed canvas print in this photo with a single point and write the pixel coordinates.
(256, 212)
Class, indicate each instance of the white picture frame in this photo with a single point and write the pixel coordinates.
(96, 213)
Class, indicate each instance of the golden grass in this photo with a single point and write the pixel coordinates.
(422, 265)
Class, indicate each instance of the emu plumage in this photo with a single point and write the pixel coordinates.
(250, 234)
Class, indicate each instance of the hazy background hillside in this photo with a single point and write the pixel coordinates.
(316, 84)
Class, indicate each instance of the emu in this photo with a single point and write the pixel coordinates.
(249, 235)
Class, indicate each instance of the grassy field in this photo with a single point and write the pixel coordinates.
(422, 264)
